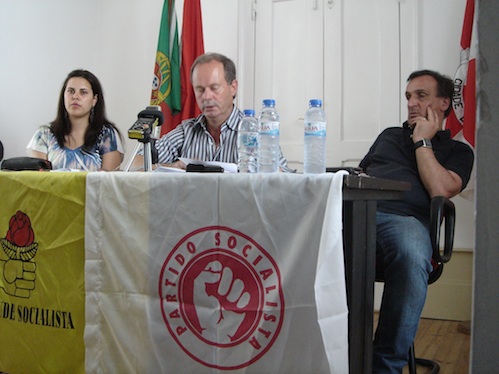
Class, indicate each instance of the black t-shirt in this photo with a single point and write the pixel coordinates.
(392, 156)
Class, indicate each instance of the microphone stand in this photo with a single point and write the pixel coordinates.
(146, 131)
(150, 156)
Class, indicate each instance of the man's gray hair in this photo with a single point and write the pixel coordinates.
(229, 66)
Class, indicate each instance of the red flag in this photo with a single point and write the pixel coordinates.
(192, 47)
(462, 119)
(166, 81)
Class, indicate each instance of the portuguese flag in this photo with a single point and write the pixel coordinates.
(166, 82)
(192, 47)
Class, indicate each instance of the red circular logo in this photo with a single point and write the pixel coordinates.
(221, 298)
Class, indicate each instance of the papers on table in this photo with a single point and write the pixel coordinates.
(167, 169)
(66, 169)
(228, 167)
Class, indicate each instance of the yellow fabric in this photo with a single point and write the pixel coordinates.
(42, 300)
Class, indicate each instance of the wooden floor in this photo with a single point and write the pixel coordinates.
(446, 342)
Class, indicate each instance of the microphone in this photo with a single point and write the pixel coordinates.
(147, 125)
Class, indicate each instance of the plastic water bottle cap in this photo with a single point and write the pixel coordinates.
(249, 112)
(315, 102)
(269, 102)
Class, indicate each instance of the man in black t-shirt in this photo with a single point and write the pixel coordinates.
(423, 154)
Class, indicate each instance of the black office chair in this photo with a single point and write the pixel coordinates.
(442, 211)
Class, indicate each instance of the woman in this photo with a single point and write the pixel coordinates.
(81, 137)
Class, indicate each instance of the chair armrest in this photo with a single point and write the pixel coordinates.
(442, 210)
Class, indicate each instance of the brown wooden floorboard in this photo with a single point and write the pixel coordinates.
(445, 342)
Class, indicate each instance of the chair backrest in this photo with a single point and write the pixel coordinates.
(442, 211)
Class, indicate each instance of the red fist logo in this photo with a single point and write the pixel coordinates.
(17, 271)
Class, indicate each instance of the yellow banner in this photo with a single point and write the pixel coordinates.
(42, 299)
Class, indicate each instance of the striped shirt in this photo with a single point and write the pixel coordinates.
(191, 139)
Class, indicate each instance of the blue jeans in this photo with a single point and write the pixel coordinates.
(405, 245)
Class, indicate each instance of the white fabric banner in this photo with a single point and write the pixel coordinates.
(215, 273)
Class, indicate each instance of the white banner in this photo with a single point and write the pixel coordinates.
(215, 273)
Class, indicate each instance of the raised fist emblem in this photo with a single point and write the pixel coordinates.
(221, 297)
(220, 301)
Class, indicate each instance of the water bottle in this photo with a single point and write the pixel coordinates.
(314, 160)
(248, 143)
(268, 121)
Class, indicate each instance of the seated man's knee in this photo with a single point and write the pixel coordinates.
(405, 243)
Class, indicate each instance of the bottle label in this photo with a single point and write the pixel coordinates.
(269, 128)
(249, 139)
(315, 129)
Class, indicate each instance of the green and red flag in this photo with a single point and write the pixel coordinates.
(192, 47)
(166, 91)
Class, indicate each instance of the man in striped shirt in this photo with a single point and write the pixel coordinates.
(212, 136)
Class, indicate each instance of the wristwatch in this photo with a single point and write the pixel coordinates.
(426, 143)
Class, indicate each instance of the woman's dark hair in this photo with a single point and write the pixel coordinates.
(61, 126)
(445, 85)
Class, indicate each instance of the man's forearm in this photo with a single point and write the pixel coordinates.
(437, 180)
